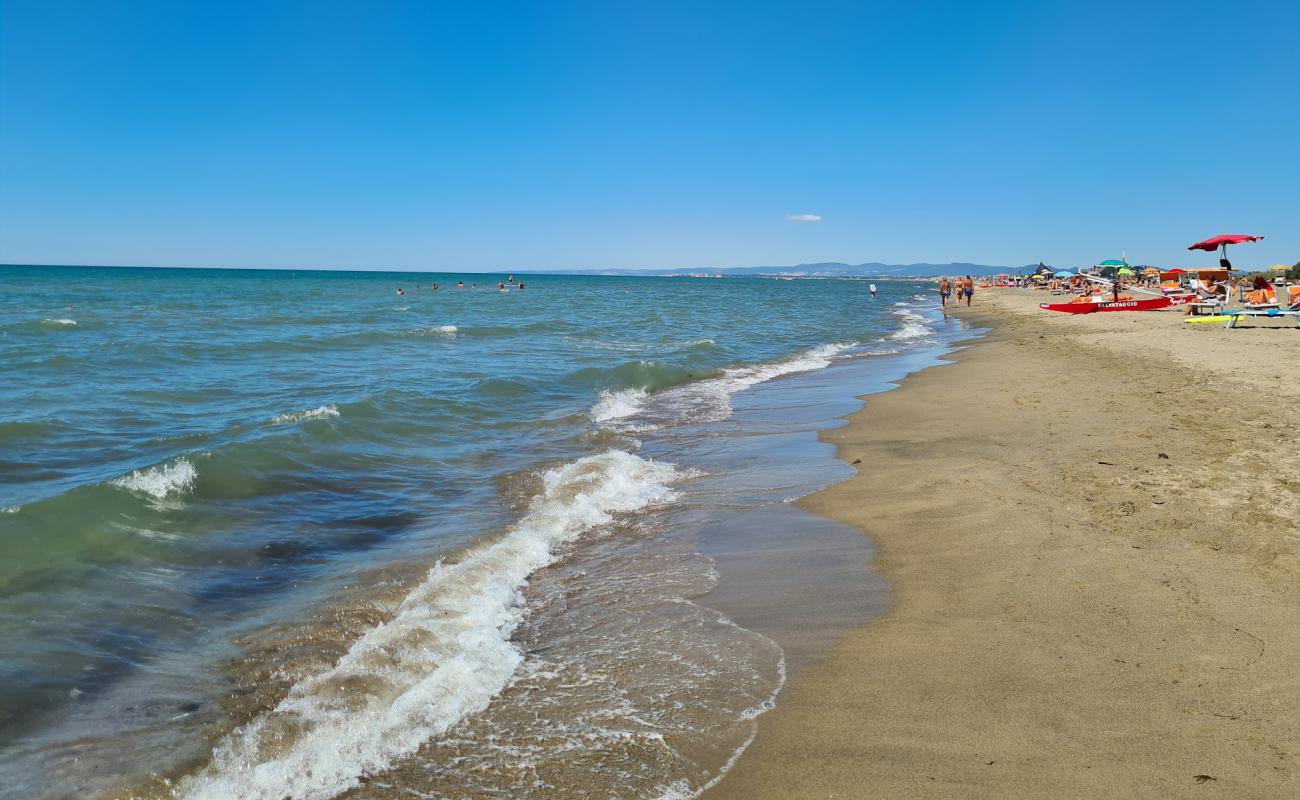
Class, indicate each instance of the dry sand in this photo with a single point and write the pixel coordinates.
(1091, 526)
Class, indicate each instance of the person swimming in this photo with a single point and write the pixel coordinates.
(400, 293)
(460, 284)
(511, 279)
(521, 285)
(501, 286)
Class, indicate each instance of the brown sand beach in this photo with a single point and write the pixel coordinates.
(1091, 529)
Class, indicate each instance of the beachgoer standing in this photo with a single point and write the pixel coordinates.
(969, 288)
(945, 289)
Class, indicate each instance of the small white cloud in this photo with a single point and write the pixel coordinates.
(804, 217)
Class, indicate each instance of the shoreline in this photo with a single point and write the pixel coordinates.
(1090, 541)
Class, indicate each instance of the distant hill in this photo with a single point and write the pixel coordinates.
(825, 269)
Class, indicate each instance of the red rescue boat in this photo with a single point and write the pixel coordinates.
(1150, 304)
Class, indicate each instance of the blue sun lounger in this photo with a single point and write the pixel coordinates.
(1237, 314)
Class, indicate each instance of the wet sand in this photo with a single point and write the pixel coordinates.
(1090, 530)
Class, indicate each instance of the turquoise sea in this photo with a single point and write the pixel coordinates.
(274, 534)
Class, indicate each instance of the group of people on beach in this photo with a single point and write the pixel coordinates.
(501, 285)
(956, 288)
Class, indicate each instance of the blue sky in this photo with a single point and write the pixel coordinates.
(477, 136)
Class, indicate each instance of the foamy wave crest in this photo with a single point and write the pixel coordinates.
(915, 326)
(444, 655)
(10, 509)
(68, 323)
(162, 481)
(710, 400)
(321, 412)
(441, 330)
(618, 405)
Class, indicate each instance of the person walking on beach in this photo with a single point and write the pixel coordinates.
(968, 288)
(945, 288)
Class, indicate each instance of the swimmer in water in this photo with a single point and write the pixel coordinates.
(400, 293)
(460, 284)
(501, 286)
(511, 279)
(521, 286)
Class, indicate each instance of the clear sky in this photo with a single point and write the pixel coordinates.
(480, 135)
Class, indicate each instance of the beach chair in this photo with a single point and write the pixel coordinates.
(1269, 313)
(1261, 300)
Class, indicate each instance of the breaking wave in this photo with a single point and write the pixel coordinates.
(167, 480)
(444, 655)
(321, 412)
(914, 326)
(617, 405)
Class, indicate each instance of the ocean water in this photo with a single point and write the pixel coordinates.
(271, 534)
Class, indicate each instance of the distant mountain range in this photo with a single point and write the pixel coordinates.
(826, 269)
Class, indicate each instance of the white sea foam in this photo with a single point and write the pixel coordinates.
(162, 481)
(10, 509)
(914, 326)
(69, 323)
(710, 399)
(444, 655)
(682, 790)
(321, 412)
(441, 330)
(618, 405)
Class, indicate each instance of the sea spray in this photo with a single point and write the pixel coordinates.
(618, 405)
(320, 412)
(167, 480)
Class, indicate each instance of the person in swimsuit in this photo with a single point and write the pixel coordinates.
(968, 287)
(945, 289)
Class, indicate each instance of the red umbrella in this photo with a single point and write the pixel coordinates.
(1176, 271)
(1222, 241)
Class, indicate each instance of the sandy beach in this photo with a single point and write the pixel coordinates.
(1089, 528)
